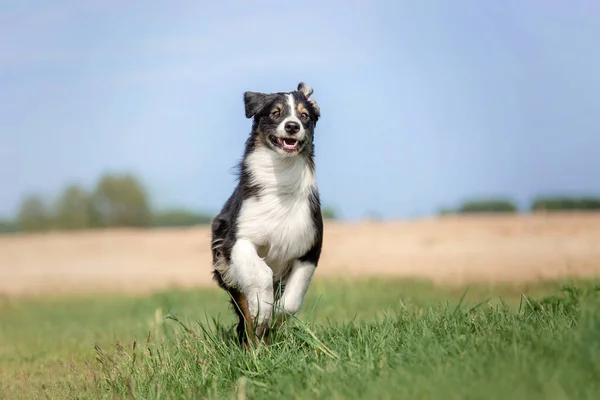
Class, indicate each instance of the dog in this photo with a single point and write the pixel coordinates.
(267, 238)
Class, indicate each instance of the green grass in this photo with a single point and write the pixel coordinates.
(380, 339)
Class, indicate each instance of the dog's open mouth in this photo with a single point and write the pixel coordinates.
(289, 145)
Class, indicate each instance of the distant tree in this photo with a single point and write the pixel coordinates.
(487, 206)
(446, 211)
(328, 213)
(179, 217)
(73, 209)
(7, 226)
(559, 203)
(120, 200)
(33, 215)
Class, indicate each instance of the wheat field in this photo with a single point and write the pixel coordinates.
(452, 250)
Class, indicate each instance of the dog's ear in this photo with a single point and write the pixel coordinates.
(307, 91)
(254, 103)
(316, 107)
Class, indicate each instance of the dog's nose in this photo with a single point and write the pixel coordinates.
(292, 127)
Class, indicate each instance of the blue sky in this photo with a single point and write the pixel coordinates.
(423, 103)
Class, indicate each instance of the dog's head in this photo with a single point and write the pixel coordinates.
(283, 122)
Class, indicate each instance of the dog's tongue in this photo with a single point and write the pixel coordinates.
(289, 144)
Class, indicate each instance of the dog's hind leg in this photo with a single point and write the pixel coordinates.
(245, 327)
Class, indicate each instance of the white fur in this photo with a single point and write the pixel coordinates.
(292, 117)
(254, 278)
(274, 229)
(296, 286)
(278, 222)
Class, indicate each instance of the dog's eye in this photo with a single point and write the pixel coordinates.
(304, 115)
(275, 113)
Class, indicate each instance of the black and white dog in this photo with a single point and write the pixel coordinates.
(266, 241)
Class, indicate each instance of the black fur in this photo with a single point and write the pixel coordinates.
(314, 253)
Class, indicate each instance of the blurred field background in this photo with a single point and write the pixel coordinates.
(474, 297)
(457, 161)
(446, 250)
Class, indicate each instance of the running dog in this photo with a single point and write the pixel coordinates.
(267, 238)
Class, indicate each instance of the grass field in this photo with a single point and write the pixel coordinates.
(376, 338)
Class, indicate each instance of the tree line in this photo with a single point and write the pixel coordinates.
(121, 200)
(117, 200)
(539, 204)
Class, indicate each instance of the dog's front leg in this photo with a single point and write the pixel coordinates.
(255, 279)
(295, 288)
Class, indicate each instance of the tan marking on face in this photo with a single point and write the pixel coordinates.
(301, 108)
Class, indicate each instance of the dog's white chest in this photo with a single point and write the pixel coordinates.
(278, 221)
(281, 227)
